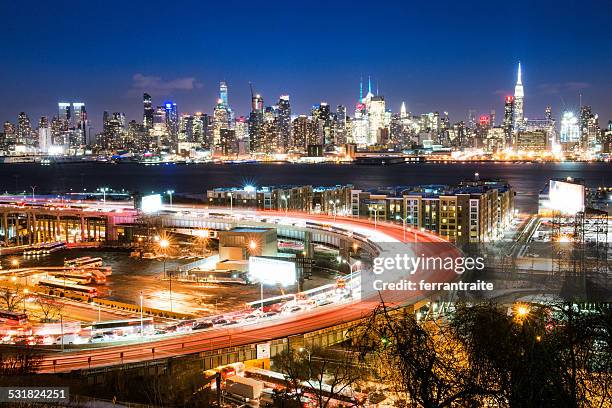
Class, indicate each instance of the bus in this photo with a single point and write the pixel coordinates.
(69, 286)
(13, 317)
(84, 262)
(81, 279)
(123, 327)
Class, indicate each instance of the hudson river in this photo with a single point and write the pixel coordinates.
(526, 178)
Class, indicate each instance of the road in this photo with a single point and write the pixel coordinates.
(298, 323)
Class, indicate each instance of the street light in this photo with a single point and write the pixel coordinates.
(170, 192)
(231, 202)
(375, 216)
(284, 197)
(103, 190)
(335, 203)
(164, 244)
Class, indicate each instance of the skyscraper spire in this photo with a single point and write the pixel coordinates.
(369, 85)
(403, 110)
(519, 94)
(360, 89)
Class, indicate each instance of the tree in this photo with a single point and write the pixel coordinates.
(329, 374)
(50, 309)
(11, 298)
(545, 356)
(421, 363)
(18, 361)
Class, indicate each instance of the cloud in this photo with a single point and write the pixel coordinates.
(156, 85)
(557, 88)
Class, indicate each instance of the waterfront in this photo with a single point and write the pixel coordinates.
(526, 178)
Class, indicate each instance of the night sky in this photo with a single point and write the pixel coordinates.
(436, 55)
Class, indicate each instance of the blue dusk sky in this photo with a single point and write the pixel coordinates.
(434, 55)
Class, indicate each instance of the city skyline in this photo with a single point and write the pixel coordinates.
(444, 70)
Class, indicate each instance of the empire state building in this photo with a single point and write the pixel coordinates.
(519, 94)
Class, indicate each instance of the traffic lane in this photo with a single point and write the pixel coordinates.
(300, 323)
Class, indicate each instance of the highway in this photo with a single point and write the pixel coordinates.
(268, 329)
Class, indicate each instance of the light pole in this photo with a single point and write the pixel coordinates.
(164, 244)
(335, 203)
(284, 197)
(104, 190)
(141, 323)
(170, 192)
(375, 216)
(33, 188)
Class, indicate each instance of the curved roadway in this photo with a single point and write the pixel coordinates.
(275, 328)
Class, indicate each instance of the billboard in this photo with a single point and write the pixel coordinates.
(272, 271)
(565, 197)
(151, 203)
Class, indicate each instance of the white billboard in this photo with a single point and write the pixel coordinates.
(565, 197)
(151, 203)
(272, 271)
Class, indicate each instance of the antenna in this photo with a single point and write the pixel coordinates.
(251, 86)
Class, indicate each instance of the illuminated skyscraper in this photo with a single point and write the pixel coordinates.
(24, 129)
(508, 119)
(223, 93)
(78, 135)
(64, 112)
(570, 129)
(284, 122)
(171, 119)
(45, 138)
(519, 94)
(147, 117)
(256, 124)
(221, 120)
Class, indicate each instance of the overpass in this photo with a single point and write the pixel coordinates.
(236, 341)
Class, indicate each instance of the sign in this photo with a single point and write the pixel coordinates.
(263, 350)
(272, 271)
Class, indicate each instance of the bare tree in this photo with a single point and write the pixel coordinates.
(50, 309)
(421, 363)
(329, 374)
(11, 297)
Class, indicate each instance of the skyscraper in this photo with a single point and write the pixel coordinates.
(284, 122)
(45, 139)
(519, 94)
(147, 117)
(221, 120)
(570, 130)
(256, 124)
(508, 119)
(223, 93)
(79, 133)
(24, 129)
(63, 112)
(172, 122)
